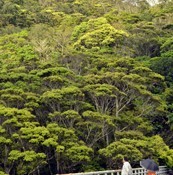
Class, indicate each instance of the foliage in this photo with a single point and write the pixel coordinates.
(96, 35)
(136, 146)
(84, 83)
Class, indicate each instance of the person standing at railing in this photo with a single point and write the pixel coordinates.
(126, 169)
(150, 166)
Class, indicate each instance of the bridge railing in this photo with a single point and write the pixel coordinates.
(163, 170)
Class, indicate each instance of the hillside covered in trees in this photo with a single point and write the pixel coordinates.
(84, 83)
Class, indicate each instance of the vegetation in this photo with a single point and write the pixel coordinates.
(84, 83)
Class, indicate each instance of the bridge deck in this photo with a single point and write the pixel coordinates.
(163, 170)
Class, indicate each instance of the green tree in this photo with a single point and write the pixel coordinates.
(16, 151)
(136, 146)
(97, 35)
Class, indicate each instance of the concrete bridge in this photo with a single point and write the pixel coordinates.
(163, 170)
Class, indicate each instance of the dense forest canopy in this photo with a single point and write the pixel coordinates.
(84, 83)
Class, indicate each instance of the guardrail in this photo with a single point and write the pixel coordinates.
(163, 170)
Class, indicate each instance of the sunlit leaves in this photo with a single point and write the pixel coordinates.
(78, 153)
(80, 79)
(28, 155)
(26, 158)
(96, 35)
(137, 146)
(35, 135)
